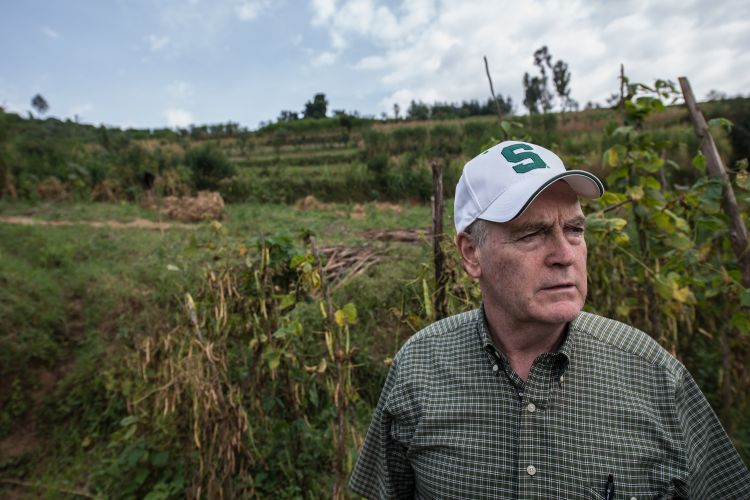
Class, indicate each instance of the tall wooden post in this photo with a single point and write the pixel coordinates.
(621, 104)
(492, 91)
(715, 166)
(438, 300)
(737, 237)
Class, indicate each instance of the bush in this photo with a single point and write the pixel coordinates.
(408, 139)
(445, 140)
(209, 166)
(476, 134)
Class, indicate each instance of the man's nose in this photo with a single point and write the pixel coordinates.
(561, 250)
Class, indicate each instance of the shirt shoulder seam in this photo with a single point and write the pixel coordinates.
(438, 329)
(612, 332)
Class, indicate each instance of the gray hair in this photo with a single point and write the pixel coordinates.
(478, 231)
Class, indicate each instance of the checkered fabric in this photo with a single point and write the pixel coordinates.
(455, 421)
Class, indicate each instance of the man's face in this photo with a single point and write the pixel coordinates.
(532, 270)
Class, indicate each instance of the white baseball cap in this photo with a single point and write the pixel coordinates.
(500, 183)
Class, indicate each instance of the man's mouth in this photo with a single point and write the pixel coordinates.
(560, 286)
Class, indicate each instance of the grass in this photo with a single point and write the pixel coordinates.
(73, 299)
(290, 154)
(337, 223)
(78, 211)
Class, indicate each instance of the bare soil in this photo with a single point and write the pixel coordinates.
(136, 223)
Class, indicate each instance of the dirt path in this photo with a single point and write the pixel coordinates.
(136, 223)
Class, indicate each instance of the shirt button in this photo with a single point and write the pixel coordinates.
(495, 368)
(633, 498)
(561, 378)
(531, 470)
(531, 407)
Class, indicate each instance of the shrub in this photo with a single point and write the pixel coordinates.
(209, 166)
(445, 140)
(408, 139)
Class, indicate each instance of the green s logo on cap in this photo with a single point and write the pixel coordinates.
(511, 154)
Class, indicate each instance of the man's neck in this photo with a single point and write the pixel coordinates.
(521, 344)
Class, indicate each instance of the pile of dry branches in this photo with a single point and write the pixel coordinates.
(343, 262)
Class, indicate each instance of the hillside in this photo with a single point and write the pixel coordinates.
(335, 159)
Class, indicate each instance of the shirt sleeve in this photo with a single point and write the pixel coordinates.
(383, 469)
(716, 469)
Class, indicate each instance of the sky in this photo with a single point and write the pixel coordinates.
(172, 63)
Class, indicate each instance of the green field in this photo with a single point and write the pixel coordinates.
(76, 299)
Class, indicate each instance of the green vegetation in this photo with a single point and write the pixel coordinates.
(351, 159)
(82, 304)
(208, 166)
(221, 359)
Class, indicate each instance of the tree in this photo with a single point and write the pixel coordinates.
(533, 88)
(561, 80)
(288, 116)
(316, 108)
(716, 95)
(418, 111)
(396, 110)
(537, 95)
(543, 61)
(345, 120)
(40, 104)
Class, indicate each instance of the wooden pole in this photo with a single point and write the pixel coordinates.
(439, 305)
(621, 104)
(492, 90)
(737, 229)
(737, 237)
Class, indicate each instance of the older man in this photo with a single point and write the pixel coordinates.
(528, 397)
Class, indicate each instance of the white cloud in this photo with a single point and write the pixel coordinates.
(424, 50)
(324, 59)
(50, 32)
(247, 10)
(337, 40)
(178, 118)
(372, 63)
(180, 90)
(322, 11)
(368, 19)
(157, 43)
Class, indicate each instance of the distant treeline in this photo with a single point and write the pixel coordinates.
(419, 110)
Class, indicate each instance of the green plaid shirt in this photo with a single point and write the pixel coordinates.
(455, 421)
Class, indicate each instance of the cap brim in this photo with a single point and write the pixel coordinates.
(505, 208)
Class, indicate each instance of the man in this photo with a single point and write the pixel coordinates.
(528, 397)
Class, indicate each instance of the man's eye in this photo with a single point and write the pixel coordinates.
(531, 235)
(577, 229)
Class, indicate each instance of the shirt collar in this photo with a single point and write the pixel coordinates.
(565, 352)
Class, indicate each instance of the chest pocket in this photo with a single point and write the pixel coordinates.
(640, 456)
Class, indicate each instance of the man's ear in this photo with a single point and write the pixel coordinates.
(469, 255)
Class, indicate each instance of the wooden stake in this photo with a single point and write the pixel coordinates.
(621, 104)
(737, 236)
(737, 229)
(492, 90)
(439, 305)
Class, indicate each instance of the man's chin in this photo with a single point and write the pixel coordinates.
(560, 313)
